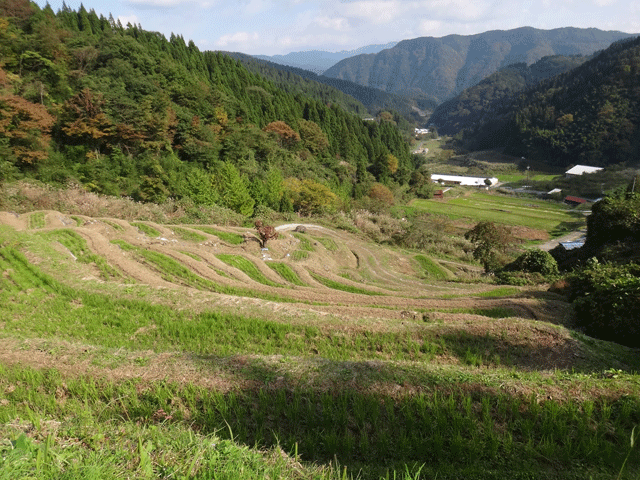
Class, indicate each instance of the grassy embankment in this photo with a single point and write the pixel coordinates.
(100, 385)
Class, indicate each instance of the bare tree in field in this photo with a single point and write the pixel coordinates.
(266, 232)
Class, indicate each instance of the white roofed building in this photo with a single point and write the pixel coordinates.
(580, 169)
(461, 180)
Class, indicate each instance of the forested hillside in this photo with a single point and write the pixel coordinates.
(124, 111)
(586, 116)
(372, 100)
(468, 108)
(439, 68)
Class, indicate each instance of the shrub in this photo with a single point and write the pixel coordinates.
(535, 261)
(490, 240)
(606, 299)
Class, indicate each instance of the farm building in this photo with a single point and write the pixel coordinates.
(574, 200)
(461, 180)
(580, 169)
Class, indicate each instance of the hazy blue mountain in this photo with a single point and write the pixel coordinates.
(318, 61)
(440, 68)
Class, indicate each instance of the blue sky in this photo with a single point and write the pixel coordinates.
(281, 26)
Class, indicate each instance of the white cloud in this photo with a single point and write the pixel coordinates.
(604, 3)
(239, 40)
(429, 28)
(339, 24)
(172, 3)
(374, 11)
(132, 19)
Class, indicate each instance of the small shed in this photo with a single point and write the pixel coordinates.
(574, 200)
(438, 194)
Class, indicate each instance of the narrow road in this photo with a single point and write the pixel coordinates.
(570, 237)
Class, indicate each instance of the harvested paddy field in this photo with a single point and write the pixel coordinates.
(319, 353)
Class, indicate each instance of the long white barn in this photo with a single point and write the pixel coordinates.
(461, 180)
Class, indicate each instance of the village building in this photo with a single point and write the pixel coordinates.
(581, 169)
(462, 180)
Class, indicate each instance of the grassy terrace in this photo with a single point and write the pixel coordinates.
(478, 206)
(98, 385)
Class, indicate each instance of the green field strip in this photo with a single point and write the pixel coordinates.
(430, 268)
(78, 247)
(173, 271)
(507, 210)
(286, 272)
(327, 282)
(248, 268)
(327, 243)
(146, 229)
(496, 292)
(229, 237)
(305, 243)
(299, 255)
(116, 226)
(189, 235)
(36, 220)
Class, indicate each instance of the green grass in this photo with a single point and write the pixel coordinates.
(298, 255)
(106, 430)
(36, 220)
(496, 292)
(327, 282)
(192, 255)
(229, 237)
(188, 235)
(431, 268)
(79, 221)
(248, 267)
(164, 430)
(305, 243)
(286, 272)
(328, 243)
(518, 177)
(116, 226)
(146, 229)
(496, 312)
(173, 271)
(479, 206)
(78, 247)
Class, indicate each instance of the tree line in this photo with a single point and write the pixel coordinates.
(125, 111)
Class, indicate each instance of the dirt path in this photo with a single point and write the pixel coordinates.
(570, 237)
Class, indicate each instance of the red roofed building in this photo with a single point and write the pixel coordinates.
(574, 200)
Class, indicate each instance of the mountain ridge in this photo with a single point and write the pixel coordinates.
(318, 61)
(440, 68)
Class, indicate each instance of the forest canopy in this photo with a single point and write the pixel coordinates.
(125, 111)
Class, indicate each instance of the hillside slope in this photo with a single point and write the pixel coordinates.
(442, 67)
(468, 108)
(587, 116)
(324, 346)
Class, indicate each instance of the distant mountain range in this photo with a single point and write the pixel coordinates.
(318, 61)
(439, 68)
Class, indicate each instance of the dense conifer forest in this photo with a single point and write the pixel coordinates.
(125, 111)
